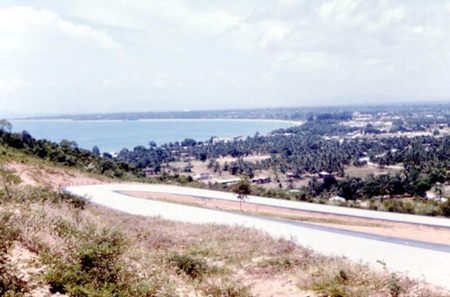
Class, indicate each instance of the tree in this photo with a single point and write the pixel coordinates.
(5, 126)
(96, 151)
(68, 145)
(242, 189)
(189, 142)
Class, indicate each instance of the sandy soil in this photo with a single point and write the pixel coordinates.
(30, 268)
(53, 177)
(364, 171)
(379, 227)
(253, 159)
(279, 285)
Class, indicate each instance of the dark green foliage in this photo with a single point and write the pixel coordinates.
(242, 188)
(65, 153)
(192, 266)
(445, 208)
(36, 194)
(94, 268)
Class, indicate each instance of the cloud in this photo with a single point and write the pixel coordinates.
(152, 15)
(28, 29)
(95, 55)
(45, 58)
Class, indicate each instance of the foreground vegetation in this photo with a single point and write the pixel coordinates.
(56, 243)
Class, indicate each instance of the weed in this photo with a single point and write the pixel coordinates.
(95, 269)
(225, 288)
(10, 284)
(395, 289)
(192, 266)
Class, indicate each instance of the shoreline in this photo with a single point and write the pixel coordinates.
(296, 123)
(110, 147)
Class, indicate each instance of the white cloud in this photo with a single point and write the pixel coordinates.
(27, 29)
(200, 54)
(152, 15)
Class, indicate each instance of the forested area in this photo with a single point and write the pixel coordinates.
(321, 144)
(303, 150)
(66, 153)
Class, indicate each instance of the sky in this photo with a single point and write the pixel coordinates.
(85, 56)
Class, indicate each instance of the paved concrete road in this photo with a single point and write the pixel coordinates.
(429, 262)
(320, 208)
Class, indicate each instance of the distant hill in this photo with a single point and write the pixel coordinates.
(284, 113)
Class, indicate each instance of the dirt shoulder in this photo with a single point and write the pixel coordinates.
(52, 177)
(378, 227)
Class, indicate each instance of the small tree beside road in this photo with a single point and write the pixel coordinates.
(242, 189)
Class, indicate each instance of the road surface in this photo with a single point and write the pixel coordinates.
(430, 262)
(305, 206)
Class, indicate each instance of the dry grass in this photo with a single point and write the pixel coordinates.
(38, 172)
(236, 258)
(155, 257)
(366, 170)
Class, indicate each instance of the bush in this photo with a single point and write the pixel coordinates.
(10, 284)
(226, 288)
(194, 267)
(332, 285)
(445, 208)
(95, 269)
(36, 194)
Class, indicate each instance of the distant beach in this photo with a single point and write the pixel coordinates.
(113, 135)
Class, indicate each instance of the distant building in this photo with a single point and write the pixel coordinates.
(294, 191)
(337, 199)
(324, 174)
(290, 175)
(202, 176)
(149, 171)
(261, 180)
(230, 181)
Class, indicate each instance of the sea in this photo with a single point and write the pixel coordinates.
(112, 136)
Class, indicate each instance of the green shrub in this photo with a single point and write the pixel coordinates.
(332, 285)
(64, 229)
(8, 182)
(36, 194)
(95, 269)
(445, 208)
(72, 200)
(192, 266)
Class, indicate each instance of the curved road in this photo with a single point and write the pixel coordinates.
(430, 262)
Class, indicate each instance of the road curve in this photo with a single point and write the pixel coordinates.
(297, 205)
(428, 262)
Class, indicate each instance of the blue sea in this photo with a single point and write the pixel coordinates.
(112, 136)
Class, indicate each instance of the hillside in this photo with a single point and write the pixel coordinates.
(53, 243)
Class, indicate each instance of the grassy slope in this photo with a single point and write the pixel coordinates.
(57, 246)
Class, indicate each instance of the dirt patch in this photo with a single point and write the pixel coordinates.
(53, 177)
(276, 286)
(252, 159)
(378, 227)
(30, 270)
